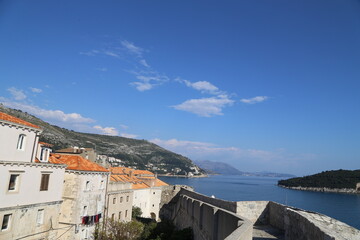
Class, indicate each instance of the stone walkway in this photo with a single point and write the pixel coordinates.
(267, 232)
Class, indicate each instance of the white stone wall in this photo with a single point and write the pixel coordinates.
(9, 135)
(76, 196)
(24, 223)
(28, 185)
(148, 199)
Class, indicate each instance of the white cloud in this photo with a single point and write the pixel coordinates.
(35, 90)
(57, 115)
(244, 159)
(148, 80)
(106, 130)
(90, 53)
(205, 107)
(254, 99)
(132, 48)
(112, 54)
(17, 93)
(144, 63)
(128, 135)
(202, 86)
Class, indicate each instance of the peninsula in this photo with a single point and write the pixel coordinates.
(342, 181)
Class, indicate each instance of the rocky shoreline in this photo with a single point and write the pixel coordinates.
(332, 190)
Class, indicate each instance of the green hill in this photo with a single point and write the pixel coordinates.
(328, 179)
(132, 151)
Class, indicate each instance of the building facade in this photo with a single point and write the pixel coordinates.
(84, 194)
(30, 192)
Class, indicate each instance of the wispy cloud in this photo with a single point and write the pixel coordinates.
(253, 100)
(205, 107)
(90, 53)
(130, 47)
(111, 54)
(244, 159)
(202, 86)
(35, 90)
(17, 94)
(106, 130)
(128, 135)
(148, 80)
(57, 115)
(123, 126)
(144, 63)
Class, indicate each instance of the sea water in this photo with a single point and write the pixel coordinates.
(344, 207)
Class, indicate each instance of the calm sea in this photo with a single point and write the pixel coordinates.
(344, 207)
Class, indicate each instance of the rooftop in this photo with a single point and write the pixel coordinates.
(76, 162)
(9, 118)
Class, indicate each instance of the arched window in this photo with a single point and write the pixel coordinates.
(21, 142)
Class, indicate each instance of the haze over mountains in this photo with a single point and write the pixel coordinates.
(224, 168)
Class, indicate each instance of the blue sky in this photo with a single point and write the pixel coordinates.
(262, 85)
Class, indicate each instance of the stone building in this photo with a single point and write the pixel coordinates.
(84, 196)
(146, 189)
(87, 153)
(30, 191)
(119, 198)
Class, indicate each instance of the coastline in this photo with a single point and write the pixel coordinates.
(324, 189)
(183, 176)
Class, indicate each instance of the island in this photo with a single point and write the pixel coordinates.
(341, 181)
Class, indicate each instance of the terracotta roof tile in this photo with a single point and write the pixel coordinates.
(76, 162)
(143, 172)
(160, 183)
(9, 118)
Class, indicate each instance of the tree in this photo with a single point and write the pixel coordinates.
(118, 230)
(136, 212)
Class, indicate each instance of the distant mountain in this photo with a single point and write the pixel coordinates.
(224, 168)
(218, 167)
(133, 152)
(328, 179)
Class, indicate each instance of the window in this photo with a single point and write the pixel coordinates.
(126, 213)
(13, 183)
(6, 222)
(85, 211)
(42, 154)
(127, 198)
(102, 184)
(87, 186)
(21, 142)
(153, 192)
(114, 200)
(44, 186)
(113, 216)
(121, 199)
(40, 217)
(119, 215)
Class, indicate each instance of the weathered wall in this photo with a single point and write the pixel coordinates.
(119, 203)
(76, 197)
(23, 223)
(148, 199)
(209, 221)
(256, 211)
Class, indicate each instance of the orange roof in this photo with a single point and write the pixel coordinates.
(9, 118)
(143, 172)
(76, 162)
(160, 183)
